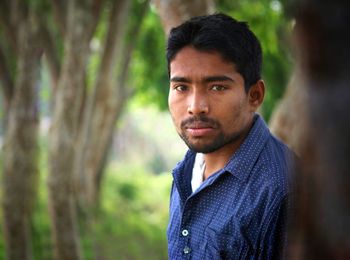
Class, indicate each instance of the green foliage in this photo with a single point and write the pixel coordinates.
(133, 214)
(2, 241)
(2, 115)
(148, 68)
(131, 222)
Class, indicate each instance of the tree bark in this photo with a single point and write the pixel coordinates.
(60, 8)
(20, 149)
(174, 12)
(290, 119)
(10, 21)
(64, 130)
(318, 113)
(105, 105)
(7, 85)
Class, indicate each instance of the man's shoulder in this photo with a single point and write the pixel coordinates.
(276, 165)
(278, 151)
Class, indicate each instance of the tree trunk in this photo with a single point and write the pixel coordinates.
(7, 86)
(318, 114)
(290, 119)
(101, 107)
(174, 12)
(64, 130)
(106, 104)
(20, 149)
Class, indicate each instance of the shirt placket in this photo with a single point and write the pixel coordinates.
(186, 248)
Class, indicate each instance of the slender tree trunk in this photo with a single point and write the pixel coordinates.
(101, 105)
(174, 12)
(106, 104)
(7, 87)
(64, 130)
(20, 148)
(6, 55)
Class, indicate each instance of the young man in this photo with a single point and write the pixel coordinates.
(229, 195)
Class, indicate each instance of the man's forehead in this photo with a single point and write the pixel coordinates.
(190, 64)
(190, 56)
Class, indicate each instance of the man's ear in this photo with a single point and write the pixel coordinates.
(256, 94)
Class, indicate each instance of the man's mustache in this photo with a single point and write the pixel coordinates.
(200, 121)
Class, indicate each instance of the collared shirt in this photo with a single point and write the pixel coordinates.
(240, 211)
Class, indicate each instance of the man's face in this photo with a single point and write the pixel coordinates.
(207, 101)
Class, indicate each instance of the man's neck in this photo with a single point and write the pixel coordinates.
(218, 159)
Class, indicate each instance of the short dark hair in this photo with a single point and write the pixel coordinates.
(219, 32)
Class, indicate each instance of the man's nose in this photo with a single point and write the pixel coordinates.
(198, 104)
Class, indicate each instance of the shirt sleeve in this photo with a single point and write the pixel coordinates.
(274, 238)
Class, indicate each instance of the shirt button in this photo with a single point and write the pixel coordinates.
(184, 232)
(187, 250)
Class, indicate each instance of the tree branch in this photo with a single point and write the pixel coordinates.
(95, 13)
(5, 77)
(113, 38)
(60, 14)
(12, 14)
(10, 27)
(132, 32)
(101, 106)
(123, 94)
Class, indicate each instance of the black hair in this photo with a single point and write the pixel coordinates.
(223, 34)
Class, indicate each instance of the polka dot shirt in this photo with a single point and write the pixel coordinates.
(239, 212)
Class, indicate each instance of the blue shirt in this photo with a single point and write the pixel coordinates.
(238, 212)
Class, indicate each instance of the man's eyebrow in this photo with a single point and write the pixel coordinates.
(180, 79)
(205, 79)
(217, 78)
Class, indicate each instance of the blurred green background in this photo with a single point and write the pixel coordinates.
(132, 215)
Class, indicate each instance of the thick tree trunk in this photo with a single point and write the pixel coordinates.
(290, 119)
(317, 112)
(174, 12)
(64, 130)
(324, 60)
(20, 147)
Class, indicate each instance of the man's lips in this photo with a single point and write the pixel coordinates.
(199, 126)
(197, 132)
(198, 129)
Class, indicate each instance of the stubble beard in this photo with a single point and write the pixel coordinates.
(218, 142)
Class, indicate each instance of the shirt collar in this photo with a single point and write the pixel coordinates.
(182, 175)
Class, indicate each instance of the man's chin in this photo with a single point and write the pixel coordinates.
(202, 148)
(199, 145)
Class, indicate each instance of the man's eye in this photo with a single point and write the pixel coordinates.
(180, 88)
(218, 88)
